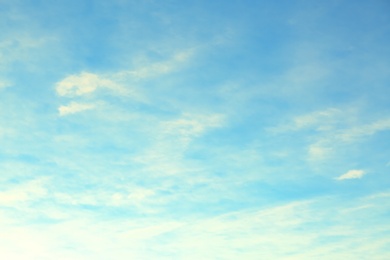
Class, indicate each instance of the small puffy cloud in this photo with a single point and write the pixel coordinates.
(74, 107)
(352, 174)
(85, 83)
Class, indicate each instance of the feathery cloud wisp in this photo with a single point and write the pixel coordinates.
(74, 107)
(352, 174)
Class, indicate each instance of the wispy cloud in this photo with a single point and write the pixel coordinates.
(189, 126)
(352, 174)
(365, 130)
(87, 83)
(4, 84)
(24, 192)
(172, 139)
(322, 120)
(327, 129)
(139, 197)
(159, 68)
(289, 231)
(124, 83)
(22, 47)
(74, 107)
(319, 151)
(295, 230)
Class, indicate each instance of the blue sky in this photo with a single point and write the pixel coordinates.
(194, 129)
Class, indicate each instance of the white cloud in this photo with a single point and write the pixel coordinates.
(352, 174)
(82, 84)
(74, 107)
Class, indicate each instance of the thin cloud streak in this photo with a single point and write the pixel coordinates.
(74, 107)
(352, 174)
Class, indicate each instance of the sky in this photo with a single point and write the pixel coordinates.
(171, 129)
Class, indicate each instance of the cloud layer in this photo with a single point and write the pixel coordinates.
(172, 131)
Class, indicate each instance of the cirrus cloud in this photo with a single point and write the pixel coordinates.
(74, 107)
(352, 174)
